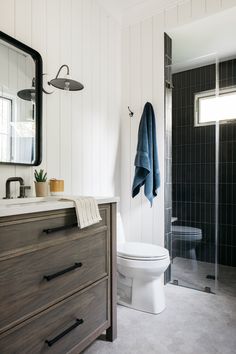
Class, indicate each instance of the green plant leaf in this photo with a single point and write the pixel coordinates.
(40, 176)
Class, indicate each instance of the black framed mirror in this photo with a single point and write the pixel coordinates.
(20, 103)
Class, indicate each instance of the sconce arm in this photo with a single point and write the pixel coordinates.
(67, 67)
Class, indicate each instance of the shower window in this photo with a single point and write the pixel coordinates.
(210, 107)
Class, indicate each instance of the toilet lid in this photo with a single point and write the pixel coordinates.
(186, 233)
(142, 251)
(187, 230)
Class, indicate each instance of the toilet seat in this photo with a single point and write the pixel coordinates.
(142, 251)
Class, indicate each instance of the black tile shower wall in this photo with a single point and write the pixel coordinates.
(193, 165)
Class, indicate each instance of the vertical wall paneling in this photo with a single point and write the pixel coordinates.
(77, 100)
(171, 17)
(103, 90)
(213, 5)
(4, 69)
(7, 18)
(53, 101)
(147, 83)
(184, 12)
(7, 21)
(136, 105)
(81, 155)
(158, 101)
(110, 114)
(189, 10)
(65, 97)
(227, 3)
(96, 80)
(146, 95)
(39, 33)
(87, 97)
(23, 21)
(198, 8)
(23, 32)
(115, 108)
(80, 129)
(142, 81)
(126, 134)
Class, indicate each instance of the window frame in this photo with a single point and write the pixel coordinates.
(210, 93)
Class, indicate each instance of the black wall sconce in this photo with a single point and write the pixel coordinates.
(65, 84)
(28, 94)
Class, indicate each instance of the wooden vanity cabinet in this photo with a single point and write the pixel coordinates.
(57, 282)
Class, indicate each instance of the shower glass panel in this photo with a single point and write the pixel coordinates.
(203, 240)
(226, 279)
(194, 247)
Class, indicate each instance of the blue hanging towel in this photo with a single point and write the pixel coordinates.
(147, 171)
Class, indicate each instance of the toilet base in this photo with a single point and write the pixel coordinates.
(147, 296)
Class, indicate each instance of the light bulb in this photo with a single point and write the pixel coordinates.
(67, 86)
(33, 97)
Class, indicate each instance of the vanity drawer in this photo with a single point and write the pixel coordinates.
(90, 306)
(21, 231)
(33, 281)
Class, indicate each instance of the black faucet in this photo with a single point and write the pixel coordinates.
(22, 187)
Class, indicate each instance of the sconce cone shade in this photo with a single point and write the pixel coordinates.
(28, 94)
(65, 83)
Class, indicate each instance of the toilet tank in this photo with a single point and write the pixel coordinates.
(120, 230)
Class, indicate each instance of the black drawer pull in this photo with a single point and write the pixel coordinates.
(60, 228)
(61, 272)
(50, 342)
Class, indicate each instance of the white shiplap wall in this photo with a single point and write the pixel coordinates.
(80, 130)
(143, 79)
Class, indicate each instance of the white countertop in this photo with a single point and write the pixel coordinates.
(10, 207)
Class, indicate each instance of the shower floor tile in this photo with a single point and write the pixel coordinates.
(192, 274)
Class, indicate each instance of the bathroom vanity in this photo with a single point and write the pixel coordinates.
(57, 282)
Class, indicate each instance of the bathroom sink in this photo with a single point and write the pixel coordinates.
(32, 205)
(19, 206)
(20, 202)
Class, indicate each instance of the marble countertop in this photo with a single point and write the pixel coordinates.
(10, 207)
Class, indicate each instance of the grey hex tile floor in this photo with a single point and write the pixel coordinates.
(192, 323)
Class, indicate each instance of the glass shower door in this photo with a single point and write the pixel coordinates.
(194, 175)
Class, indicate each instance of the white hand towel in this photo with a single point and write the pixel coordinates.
(86, 210)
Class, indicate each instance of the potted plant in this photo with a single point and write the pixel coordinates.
(41, 185)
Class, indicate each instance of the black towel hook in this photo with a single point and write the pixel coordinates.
(130, 112)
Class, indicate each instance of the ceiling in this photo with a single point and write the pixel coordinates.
(119, 8)
(204, 41)
(123, 5)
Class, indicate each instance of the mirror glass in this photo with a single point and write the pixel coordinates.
(18, 106)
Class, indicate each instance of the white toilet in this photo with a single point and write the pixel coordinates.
(140, 268)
